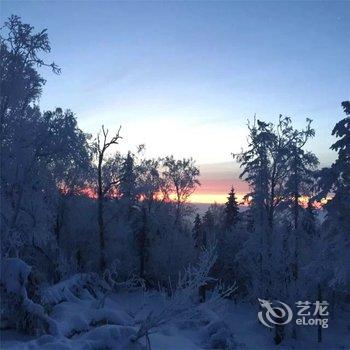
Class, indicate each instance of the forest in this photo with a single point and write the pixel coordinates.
(103, 250)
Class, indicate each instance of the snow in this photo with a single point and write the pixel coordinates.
(173, 341)
(206, 330)
(14, 272)
(82, 321)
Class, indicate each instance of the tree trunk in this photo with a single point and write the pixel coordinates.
(143, 243)
(202, 294)
(296, 210)
(102, 262)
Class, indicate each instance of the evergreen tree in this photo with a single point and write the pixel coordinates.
(341, 167)
(249, 220)
(301, 165)
(336, 180)
(208, 228)
(197, 232)
(275, 167)
(231, 210)
(128, 179)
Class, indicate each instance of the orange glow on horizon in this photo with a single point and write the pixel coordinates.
(210, 198)
(198, 197)
(88, 192)
(221, 198)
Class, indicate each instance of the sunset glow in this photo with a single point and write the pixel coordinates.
(203, 195)
(208, 198)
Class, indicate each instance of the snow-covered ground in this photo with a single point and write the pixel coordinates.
(85, 325)
(243, 321)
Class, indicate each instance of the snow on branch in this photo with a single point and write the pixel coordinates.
(182, 305)
(14, 277)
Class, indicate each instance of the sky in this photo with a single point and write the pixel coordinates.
(183, 78)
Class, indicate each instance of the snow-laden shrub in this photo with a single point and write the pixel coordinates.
(77, 304)
(111, 277)
(182, 305)
(17, 309)
(88, 285)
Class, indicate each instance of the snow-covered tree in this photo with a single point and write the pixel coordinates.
(335, 230)
(182, 178)
(21, 54)
(41, 153)
(301, 167)
(274, 161)
(149, 182)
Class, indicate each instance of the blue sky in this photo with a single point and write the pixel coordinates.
(183, 77)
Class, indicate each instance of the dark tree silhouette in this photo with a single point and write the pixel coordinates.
(231, 210)
(197, 232)
(102, 145)
(128, 179)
